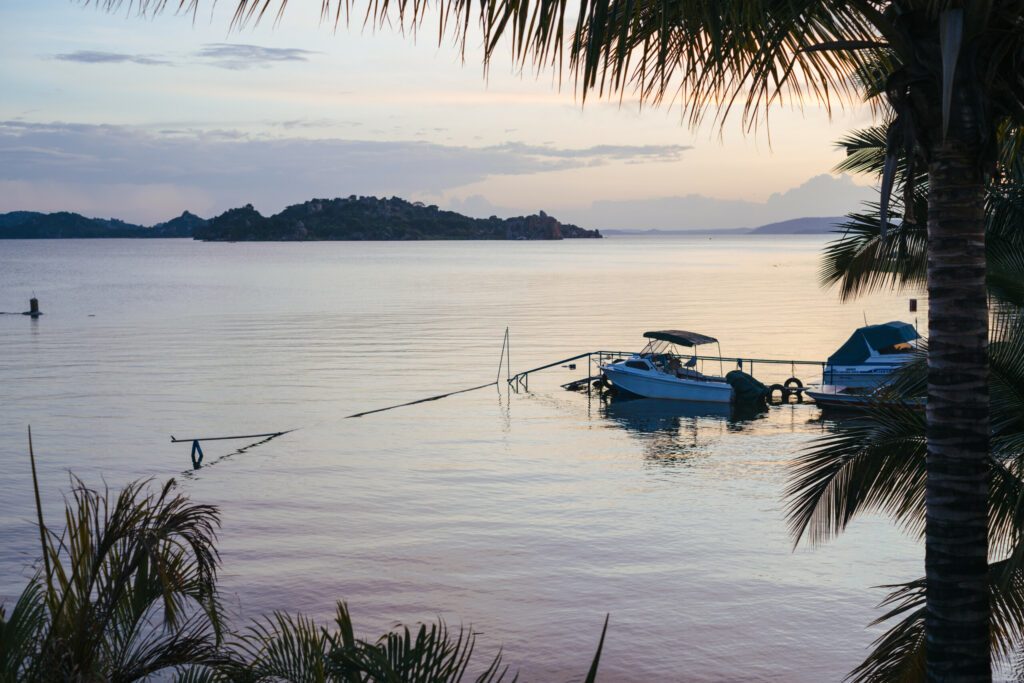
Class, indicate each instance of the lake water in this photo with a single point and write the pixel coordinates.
(526, 516)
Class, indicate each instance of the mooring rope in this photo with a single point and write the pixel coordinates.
(423, 400)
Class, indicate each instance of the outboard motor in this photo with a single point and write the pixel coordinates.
(745, 388)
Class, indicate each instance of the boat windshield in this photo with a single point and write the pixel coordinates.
(672, 360)
(896, 348)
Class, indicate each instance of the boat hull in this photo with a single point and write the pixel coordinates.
(839, 397)
(651, 384)
(867, 376)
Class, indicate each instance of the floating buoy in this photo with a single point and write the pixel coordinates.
(33, 308)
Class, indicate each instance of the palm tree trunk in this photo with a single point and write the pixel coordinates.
(956, 542)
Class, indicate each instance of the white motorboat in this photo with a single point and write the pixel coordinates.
(659, 371)
(871, 355)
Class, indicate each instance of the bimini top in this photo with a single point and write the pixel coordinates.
(681, 337)
(877, 338)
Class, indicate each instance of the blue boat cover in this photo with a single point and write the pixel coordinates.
(857, 348)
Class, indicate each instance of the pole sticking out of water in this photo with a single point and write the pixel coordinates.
(505, 359)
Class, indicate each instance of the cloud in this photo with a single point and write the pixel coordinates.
(638, 153)
(146, 175)
(478, 206)
(97, 57)
(822, 195)
(242, 56)
(235, 57)
(229, 168)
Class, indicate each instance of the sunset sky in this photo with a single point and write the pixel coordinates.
(142, 118)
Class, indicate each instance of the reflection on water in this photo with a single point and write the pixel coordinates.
(529, 515)
(674, 432)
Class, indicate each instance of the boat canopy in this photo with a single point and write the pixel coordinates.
(864, 340)
(681, 337)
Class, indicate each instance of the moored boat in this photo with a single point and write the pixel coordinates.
(871, 355)
(658, 371)
(856, 397)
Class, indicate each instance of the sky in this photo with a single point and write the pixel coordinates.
(141, 118)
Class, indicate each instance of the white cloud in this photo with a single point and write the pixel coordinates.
(242, 56)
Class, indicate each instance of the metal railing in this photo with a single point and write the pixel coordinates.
(521, 380)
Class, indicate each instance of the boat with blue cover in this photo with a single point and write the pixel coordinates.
(871, 355)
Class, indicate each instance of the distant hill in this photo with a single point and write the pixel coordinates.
(372, 218)
(801, 226)
(352, 218)
(67, 225)
(184, 225)
(794, 226)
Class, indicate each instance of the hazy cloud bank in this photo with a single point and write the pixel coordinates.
(104, 168)
(822, 195)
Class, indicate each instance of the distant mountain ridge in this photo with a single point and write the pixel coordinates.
(811, 225)
(351, 218)
(801, 226)
(67, 225)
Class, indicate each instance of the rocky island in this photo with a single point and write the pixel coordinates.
(350, 218)
(372, 218)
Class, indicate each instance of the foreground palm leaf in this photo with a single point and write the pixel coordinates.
(876, 463)
(128, 592)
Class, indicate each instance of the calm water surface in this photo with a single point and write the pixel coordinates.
(527, 516)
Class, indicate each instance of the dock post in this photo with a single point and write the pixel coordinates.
(196, 450)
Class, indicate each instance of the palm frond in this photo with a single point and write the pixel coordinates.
(865, 151)
(284, 647)
(21, 632)
(1006, 359)
(899, 654)
(862, 261)
(432, 654)
(295, 648)
(874, 463)
(132, 590)
(749, 54)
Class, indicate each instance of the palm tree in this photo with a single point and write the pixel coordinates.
(952, 82)
(878, 461)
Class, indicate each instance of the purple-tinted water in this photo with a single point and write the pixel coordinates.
(527, 516)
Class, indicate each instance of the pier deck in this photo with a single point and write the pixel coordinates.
(521, 380)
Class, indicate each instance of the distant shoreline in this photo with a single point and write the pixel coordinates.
(357, 219)
(352, 218)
